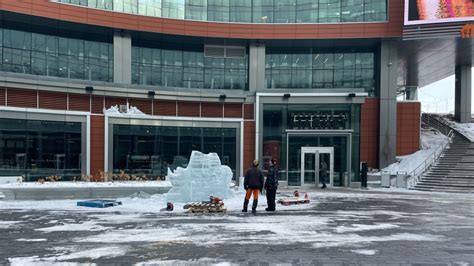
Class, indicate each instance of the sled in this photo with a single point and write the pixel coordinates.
(99, 203)
(294, 200)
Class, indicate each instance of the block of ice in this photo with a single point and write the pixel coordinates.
(204, 176)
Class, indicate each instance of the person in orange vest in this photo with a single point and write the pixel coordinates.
(253, 185)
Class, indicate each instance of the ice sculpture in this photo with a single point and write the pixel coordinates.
(203, 177)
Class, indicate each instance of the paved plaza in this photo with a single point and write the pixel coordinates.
(338, 227)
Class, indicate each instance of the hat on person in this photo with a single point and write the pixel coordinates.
(256, 162)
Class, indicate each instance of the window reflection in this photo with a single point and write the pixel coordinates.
(37, 149)
(187, 68)
(150, 150)
(256, 11)
(48, 55)
(296, 68)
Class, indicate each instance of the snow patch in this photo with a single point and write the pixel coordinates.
(365, 227)
(8, 224)
(32, 240)
(368, 252)
(86, 226)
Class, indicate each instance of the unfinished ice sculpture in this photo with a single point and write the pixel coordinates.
(203, 177)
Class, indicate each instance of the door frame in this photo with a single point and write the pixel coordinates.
(342, 133)
(317, 151)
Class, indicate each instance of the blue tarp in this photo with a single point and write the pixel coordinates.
(99, 203)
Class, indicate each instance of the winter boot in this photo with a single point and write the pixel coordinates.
(246, 204)
(254, 206)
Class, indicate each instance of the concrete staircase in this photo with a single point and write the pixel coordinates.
(454, 170)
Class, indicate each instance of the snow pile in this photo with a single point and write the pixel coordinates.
(431, 140)
(466, 129)
(115, 110)
(203, 177)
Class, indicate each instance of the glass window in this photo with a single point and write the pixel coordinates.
(101, 4)
(38, 149)
(173, 9)
(240, 11)
(307, 11)
(329, 11)
(150, 150)
(149, 8)
(262, 11)
(285, 11)
(352, 10)
(126, 6)
(218, 10)
(196, 9)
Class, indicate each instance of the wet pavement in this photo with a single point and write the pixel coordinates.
(338, 227)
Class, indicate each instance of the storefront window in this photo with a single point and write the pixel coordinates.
(288, 128)
(150, 150)
(37, 149)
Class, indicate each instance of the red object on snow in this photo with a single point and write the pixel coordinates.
(296, 193)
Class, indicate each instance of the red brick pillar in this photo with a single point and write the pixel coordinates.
(97, 144)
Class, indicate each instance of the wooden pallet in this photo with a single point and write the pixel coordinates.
(200, 207)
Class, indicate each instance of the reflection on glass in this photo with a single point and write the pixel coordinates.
(37, 149)
(246, 11)
(48, 55)
(150, 150)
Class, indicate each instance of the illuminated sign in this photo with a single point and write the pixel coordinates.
(320, 120)
(438, 11)
(467, 31)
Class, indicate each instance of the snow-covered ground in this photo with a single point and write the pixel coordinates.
(431, 140)
(66, 184)
(140, 204)
(370, 227)
(466, 129)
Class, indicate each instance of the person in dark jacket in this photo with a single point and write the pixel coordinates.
(253, 184)
(323, 173)
(271, 185)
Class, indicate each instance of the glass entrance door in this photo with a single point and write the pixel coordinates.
(316, 161)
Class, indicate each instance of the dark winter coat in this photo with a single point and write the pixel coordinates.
(253, 178)
(272, 179)
(323, 172)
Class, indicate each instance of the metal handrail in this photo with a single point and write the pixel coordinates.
(430, 160)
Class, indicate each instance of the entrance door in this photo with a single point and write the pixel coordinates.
(311, 160)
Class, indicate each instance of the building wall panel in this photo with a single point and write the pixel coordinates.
(233, 110)
(144, 105)
(188, 109)
(78, 14)
(79, 102)
(165, 108)
(97, 144)
(52, 100)
(408, 127)
(369, 126)
(22, 98)
(211, 109)
(249, 144)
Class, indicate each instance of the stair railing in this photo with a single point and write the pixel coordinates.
(418, 172)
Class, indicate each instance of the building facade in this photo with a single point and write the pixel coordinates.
(301, 81)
